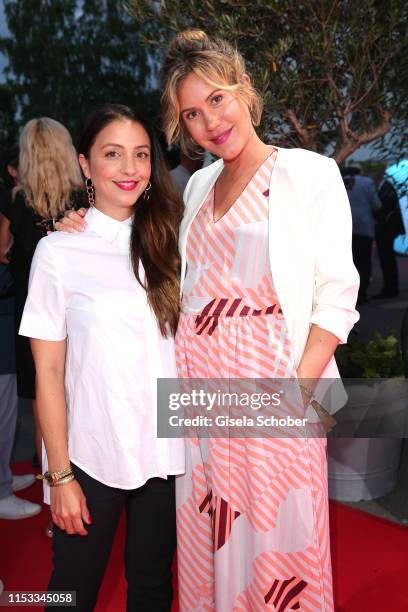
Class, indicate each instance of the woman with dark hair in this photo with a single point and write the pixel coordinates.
(103, 306)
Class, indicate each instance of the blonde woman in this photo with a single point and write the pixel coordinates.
(268, 290)
(49, 180)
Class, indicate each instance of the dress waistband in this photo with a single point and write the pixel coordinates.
(230, 307)
(207, 318)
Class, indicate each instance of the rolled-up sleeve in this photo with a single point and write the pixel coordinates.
(44, 315)
(336, 278)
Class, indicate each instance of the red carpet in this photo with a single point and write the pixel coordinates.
(370, 560)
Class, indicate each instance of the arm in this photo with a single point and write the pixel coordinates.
(44, 321)
(336, 279)
(68, 503)
(6, 239)
(319, 349)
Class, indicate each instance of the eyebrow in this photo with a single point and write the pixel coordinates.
(115, 144)
(184, 110)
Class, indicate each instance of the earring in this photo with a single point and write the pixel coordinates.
(90, 192)
(145, 193)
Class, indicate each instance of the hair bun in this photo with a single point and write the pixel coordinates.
(189, 40)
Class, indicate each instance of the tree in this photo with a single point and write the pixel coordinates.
(65, 56)
(8, 130)
(7, 122)
(329, 70)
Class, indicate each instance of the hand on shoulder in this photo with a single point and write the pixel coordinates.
(72, 221)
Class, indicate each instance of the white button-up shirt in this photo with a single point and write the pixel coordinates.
(82, 287)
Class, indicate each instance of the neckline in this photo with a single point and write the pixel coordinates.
(105, 226)
(275, 152)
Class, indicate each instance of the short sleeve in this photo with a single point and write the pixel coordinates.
(44, 315)
(336, 278)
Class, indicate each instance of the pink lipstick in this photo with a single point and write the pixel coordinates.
(126, 185)
(222, 138)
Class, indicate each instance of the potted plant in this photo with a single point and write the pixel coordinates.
(364, 466)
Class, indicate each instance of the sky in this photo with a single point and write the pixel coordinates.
(3, 31)
(362, 154)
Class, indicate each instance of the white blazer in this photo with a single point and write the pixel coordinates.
(309, 248)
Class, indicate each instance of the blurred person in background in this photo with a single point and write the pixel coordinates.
(364, 202)
(48, 183)
(188, 165)
(389, 225)
(11, 168)
(6, 196)
(11, 506)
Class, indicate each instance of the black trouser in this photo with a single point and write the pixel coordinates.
(388, 261)
(80, 561)
(362, 247)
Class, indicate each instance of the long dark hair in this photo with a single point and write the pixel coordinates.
(156, 220)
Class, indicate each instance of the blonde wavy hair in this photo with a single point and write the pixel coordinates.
(215, 61)
(48, 168)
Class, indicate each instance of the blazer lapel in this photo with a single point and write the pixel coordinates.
(286, 228)
(196, 192)
(279, 225)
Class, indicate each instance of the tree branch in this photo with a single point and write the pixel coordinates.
(352, 141)
(374, 83)
(299, 129)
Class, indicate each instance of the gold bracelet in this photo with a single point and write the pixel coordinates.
(306, 391)
(62, 481)
(325, 417)
(51, 477)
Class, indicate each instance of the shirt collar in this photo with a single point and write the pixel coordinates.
(105, 226)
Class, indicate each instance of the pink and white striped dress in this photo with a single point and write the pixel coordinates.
(252, 514)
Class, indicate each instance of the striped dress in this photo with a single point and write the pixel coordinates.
(252, 514)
